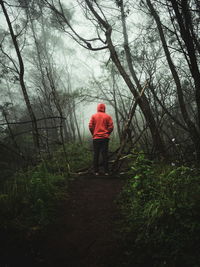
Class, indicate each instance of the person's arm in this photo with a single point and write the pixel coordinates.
(110, 125)
(92, 125)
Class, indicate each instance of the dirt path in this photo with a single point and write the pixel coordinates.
(85, 235)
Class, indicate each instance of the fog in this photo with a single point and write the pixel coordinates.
(67, 55)
(59, 59)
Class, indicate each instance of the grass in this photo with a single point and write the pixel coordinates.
(160, 207)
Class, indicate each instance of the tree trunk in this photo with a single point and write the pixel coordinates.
(57, 104)
(142, 102)
(190, 125)
(186, 29)
(145, 107)
(115, 104)
(21, 79)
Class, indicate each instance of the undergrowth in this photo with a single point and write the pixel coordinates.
(29, 200)
(160, 205)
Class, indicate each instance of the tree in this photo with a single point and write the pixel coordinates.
(20, 72)
(95, 13)
(183, 18)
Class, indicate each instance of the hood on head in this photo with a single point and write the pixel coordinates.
(101, 107)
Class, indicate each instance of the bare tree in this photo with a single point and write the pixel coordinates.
(20, 73)
(94, 12)
(191, 59)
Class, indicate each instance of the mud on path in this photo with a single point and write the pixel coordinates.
(84, 235)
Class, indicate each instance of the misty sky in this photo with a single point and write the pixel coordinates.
(81, 63)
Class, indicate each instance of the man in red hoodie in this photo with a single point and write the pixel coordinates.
(101, 126)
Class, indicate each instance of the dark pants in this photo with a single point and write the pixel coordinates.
(100, 146)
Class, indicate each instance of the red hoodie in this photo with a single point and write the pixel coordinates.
(101, 124)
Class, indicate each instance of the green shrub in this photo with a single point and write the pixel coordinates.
(78, 157)
(161, 209)
(30, 198)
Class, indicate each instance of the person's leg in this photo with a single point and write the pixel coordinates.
(96, 148)
(104, 151)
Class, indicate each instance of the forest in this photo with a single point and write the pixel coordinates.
(58, 60)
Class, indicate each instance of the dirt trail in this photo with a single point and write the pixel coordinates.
(85, 235)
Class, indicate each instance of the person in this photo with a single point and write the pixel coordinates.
(101, 126)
